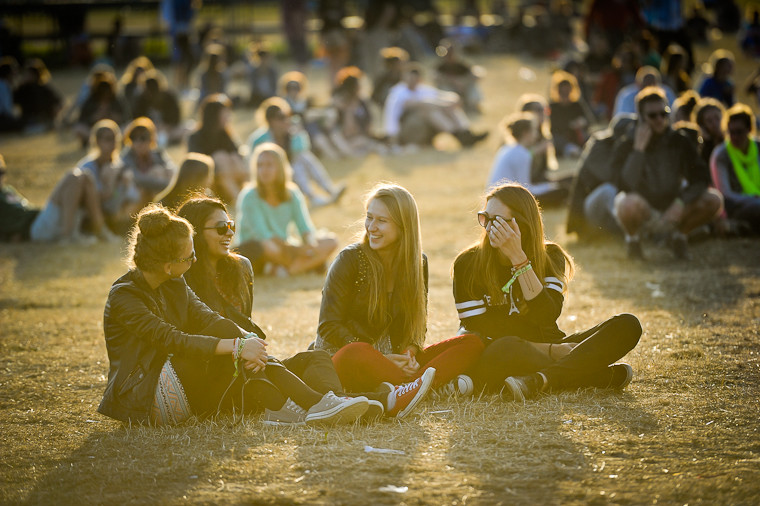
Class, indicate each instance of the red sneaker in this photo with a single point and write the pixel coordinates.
(409, 395)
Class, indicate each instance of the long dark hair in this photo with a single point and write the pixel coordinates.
(211, 113)
(229, 269)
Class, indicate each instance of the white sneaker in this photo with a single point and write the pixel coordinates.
(462, 386)
(289, 414)
(332, 409)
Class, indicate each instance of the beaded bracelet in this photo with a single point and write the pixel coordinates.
(237, 352)
(507, 287)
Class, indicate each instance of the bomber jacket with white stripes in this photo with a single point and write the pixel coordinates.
(533, 320)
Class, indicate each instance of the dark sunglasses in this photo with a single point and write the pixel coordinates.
(484, 219)
(222, 227)
(659, 114)
(191, 258)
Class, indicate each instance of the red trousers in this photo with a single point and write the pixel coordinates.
(361, 368)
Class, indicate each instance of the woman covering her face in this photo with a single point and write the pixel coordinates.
(373, 316)
(509, 288)
(172, 357)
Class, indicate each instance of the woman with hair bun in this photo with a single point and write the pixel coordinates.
(170, 354)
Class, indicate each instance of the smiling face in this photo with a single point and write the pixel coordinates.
(382, 231)
(218, 246)
(711, 123)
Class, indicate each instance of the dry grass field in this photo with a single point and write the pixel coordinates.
(685, 431)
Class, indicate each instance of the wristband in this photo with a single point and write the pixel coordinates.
(507, 287)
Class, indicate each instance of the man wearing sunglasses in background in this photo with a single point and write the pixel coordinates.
(661, 185)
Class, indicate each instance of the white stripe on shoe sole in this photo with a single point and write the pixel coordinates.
(345, 412)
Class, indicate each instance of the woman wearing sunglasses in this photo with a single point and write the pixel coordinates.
(373, 317)
(223, 280)
(172, 357)
(266, 210)
(509, 288)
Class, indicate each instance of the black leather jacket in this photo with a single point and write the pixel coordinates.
(142, 328)
(343, 315)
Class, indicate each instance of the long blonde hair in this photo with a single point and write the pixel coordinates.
(408, 268)
(547, 258)
(284, 170)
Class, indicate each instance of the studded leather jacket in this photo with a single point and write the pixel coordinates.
(343, 316)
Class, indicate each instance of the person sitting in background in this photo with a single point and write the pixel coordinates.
(625, 102)
(266, 209)
(352, 133)
(544, 157)
(274, 116)
(9, 121)
(73, 199)
(569, 116)
(414, 113)
(673, 68)
(102, 103)
(718, 84)
(708, 115)
(194, 177)
(735, 168)
(151, 166)
(513, 160)
(394, 59)
(38, 100)
(223, 280)
(684, 105)
(132, 82)
(455, 74)
(212, 72)
(662, 187)
(154, 323)
(214, 137)
(263, 74)
(119, 197)
(293, 88)
(161, 105)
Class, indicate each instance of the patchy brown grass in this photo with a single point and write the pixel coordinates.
(685, 431)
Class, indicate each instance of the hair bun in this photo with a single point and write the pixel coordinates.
(154, 222)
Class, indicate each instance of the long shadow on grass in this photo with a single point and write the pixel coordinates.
(714, 279)
(39, 261)
(537, 452)
(149, 465)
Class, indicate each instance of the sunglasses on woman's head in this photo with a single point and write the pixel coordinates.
(222, 227)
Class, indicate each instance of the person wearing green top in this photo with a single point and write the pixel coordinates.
(735, 168)
(266, 210)
(274, 114)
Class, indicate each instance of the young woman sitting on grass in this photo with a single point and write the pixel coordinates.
(509, 288)
(172, 357)
(373, 316)
(266, 210)
(223, 280)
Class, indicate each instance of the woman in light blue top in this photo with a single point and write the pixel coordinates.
(266, 210)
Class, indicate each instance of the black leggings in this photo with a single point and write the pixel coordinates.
(586, 366)
(209, 384)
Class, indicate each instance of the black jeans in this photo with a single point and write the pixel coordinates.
(586, 366)
(210, 385)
